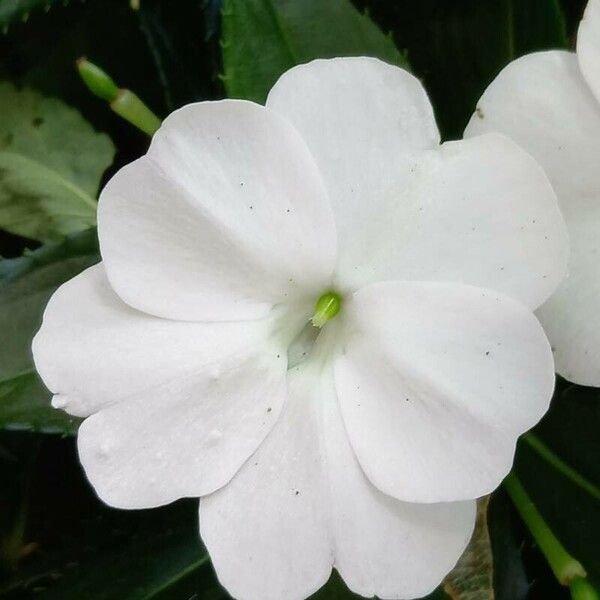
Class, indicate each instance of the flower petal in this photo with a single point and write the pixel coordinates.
(302, 503)
(267, 531)
(588, 46)
(93, 350)
(225, 216)
(178, 406)
(384, 547)
(571, 317)
(364, 122)
(480, 212)
(543, 103)
(436, 383)
(185, 438)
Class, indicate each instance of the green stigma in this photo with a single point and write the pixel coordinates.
(327, 306)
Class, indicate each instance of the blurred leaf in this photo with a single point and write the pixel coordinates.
(81, 549)
(178, 49)
(26, 284)
(571, 508)
(19, 10)
(264, 38)
(161, 560)
(458, 46)
(472, 578)
(506, 536)
(25, 405)
(51, 162)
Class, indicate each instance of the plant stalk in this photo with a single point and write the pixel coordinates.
(568, 570)
(122, 101)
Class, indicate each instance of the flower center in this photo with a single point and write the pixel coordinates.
(327, 306)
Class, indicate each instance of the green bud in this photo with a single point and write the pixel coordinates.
(97, 81)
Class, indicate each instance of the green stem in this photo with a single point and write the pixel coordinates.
(561, 465)
(132, 109)
(581, 589)
(122, 101)
(565, 567)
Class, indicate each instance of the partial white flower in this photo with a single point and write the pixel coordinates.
(359, 445)
(549, 102)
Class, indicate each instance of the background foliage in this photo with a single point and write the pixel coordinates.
(58, 144)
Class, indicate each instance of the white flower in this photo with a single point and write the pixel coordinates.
(216, 245)
(548, 102)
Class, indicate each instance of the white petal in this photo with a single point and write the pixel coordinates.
(479, 212)
(225, 216)
(302, 503)
(384, 547)
(571, 317)
(267, 531)
(542, 102)
(178, 406)
(588, 46)
(93, 350)
(184, 438)
(364, 122)
(436, 383)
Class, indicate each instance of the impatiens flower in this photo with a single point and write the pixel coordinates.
(549, 102)
(319, 320)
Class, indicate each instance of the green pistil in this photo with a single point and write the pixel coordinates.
(327, 306)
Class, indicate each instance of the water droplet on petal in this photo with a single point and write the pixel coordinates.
(214, 436)
(104, 449)
(214, 372)
(59, 401)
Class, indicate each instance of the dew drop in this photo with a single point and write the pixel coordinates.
(214, 436)
(214, 372)
(59, 401)
(104, 449)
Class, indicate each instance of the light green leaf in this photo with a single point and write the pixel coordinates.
(472, 578)
(26, 284)
(264, 38)
(51, 162)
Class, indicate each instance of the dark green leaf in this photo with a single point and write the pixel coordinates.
(459, 46)
(26, 284)
(51, 162)
(562, 475)
(264, 38)
(178, 49)
(76, 548)
(506, 536)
